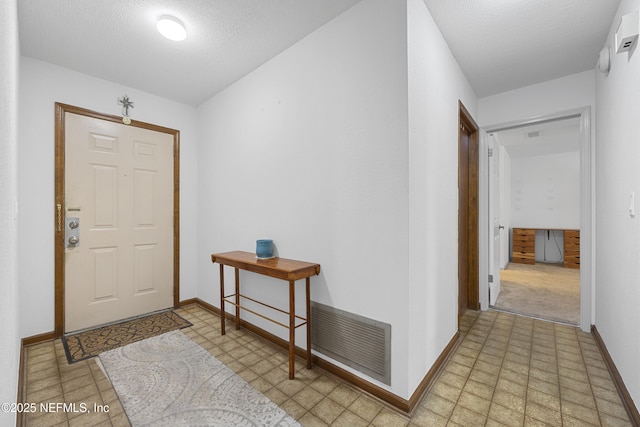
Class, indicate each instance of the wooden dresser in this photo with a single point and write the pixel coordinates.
(524, 245)
(572, 248)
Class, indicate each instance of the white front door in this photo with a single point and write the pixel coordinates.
(119, 185)
(494, 219)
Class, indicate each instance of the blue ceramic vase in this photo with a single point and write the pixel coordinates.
(264, 248)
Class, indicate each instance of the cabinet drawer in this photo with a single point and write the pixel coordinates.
(572, 244)
(522, 260)
(524, 246)
(524, 232)
(571, 234)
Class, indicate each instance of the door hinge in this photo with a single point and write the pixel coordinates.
(490, 152)
(491, 278)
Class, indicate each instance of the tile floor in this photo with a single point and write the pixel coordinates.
(507, 371)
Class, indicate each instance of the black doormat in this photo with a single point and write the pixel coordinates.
(90, 343)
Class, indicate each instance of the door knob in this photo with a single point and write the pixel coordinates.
(73, 240)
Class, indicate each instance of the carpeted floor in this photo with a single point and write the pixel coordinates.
(90, 343)
(544, 291)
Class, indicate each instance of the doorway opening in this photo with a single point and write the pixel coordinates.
(539, 218)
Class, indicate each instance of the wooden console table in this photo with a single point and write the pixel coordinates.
(280, 268)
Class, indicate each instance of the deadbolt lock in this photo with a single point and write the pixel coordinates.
(72, 232)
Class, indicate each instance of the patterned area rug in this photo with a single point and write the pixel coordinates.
(91, 343)
(170, 380)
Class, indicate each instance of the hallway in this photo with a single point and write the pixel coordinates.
(512, 370)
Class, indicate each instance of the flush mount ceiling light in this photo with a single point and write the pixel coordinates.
(171, 28)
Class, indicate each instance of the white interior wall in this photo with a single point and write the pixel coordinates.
(311, 151)
(436, 83)
(545, 191)
(41, 85)
(618, 249)
(563, 94)
(9, 291)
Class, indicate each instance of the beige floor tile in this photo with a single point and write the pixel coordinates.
(349, 419)
(467, 417)
(293, 408)
(452, 379)
(512, 388)
(325, 384)
(310, 420)
(48, 394)
(458, 369)
(290, 387)
(579, 412)
(388, 418)
(582, 398)
(543, 399)
(308, 397)
(344, 395)
(426, 418)
(480, 389)
(447, 391)
(365, 408)
(610, 408)
(551, 366)
(552, 389)
(261, 384)
(514, 377)
(474, 403)
(509, 400)
(438, 405)
(507, 371)
(506, 416)
(543, 414)
(328, 410)
(546, 376)
(610, 421)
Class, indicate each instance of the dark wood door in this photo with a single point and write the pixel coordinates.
(468, 164)
(463, 220)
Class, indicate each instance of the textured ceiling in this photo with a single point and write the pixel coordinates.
(499, 44)
(117, 40)
(507, 44)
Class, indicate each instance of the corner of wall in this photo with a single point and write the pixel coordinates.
(9, 333)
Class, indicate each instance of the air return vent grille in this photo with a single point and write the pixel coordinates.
(361, 343)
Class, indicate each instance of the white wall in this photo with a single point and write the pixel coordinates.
(311, 150)
(545, 191)
(41, 85)
(618, 249)
(9, 332)
(436, 83)
(563, 94)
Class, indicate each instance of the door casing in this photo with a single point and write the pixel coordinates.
(468, 211)
(60, 209)
(587, 208)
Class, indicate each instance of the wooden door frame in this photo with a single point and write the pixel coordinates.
(472, 257)
(60, 208)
